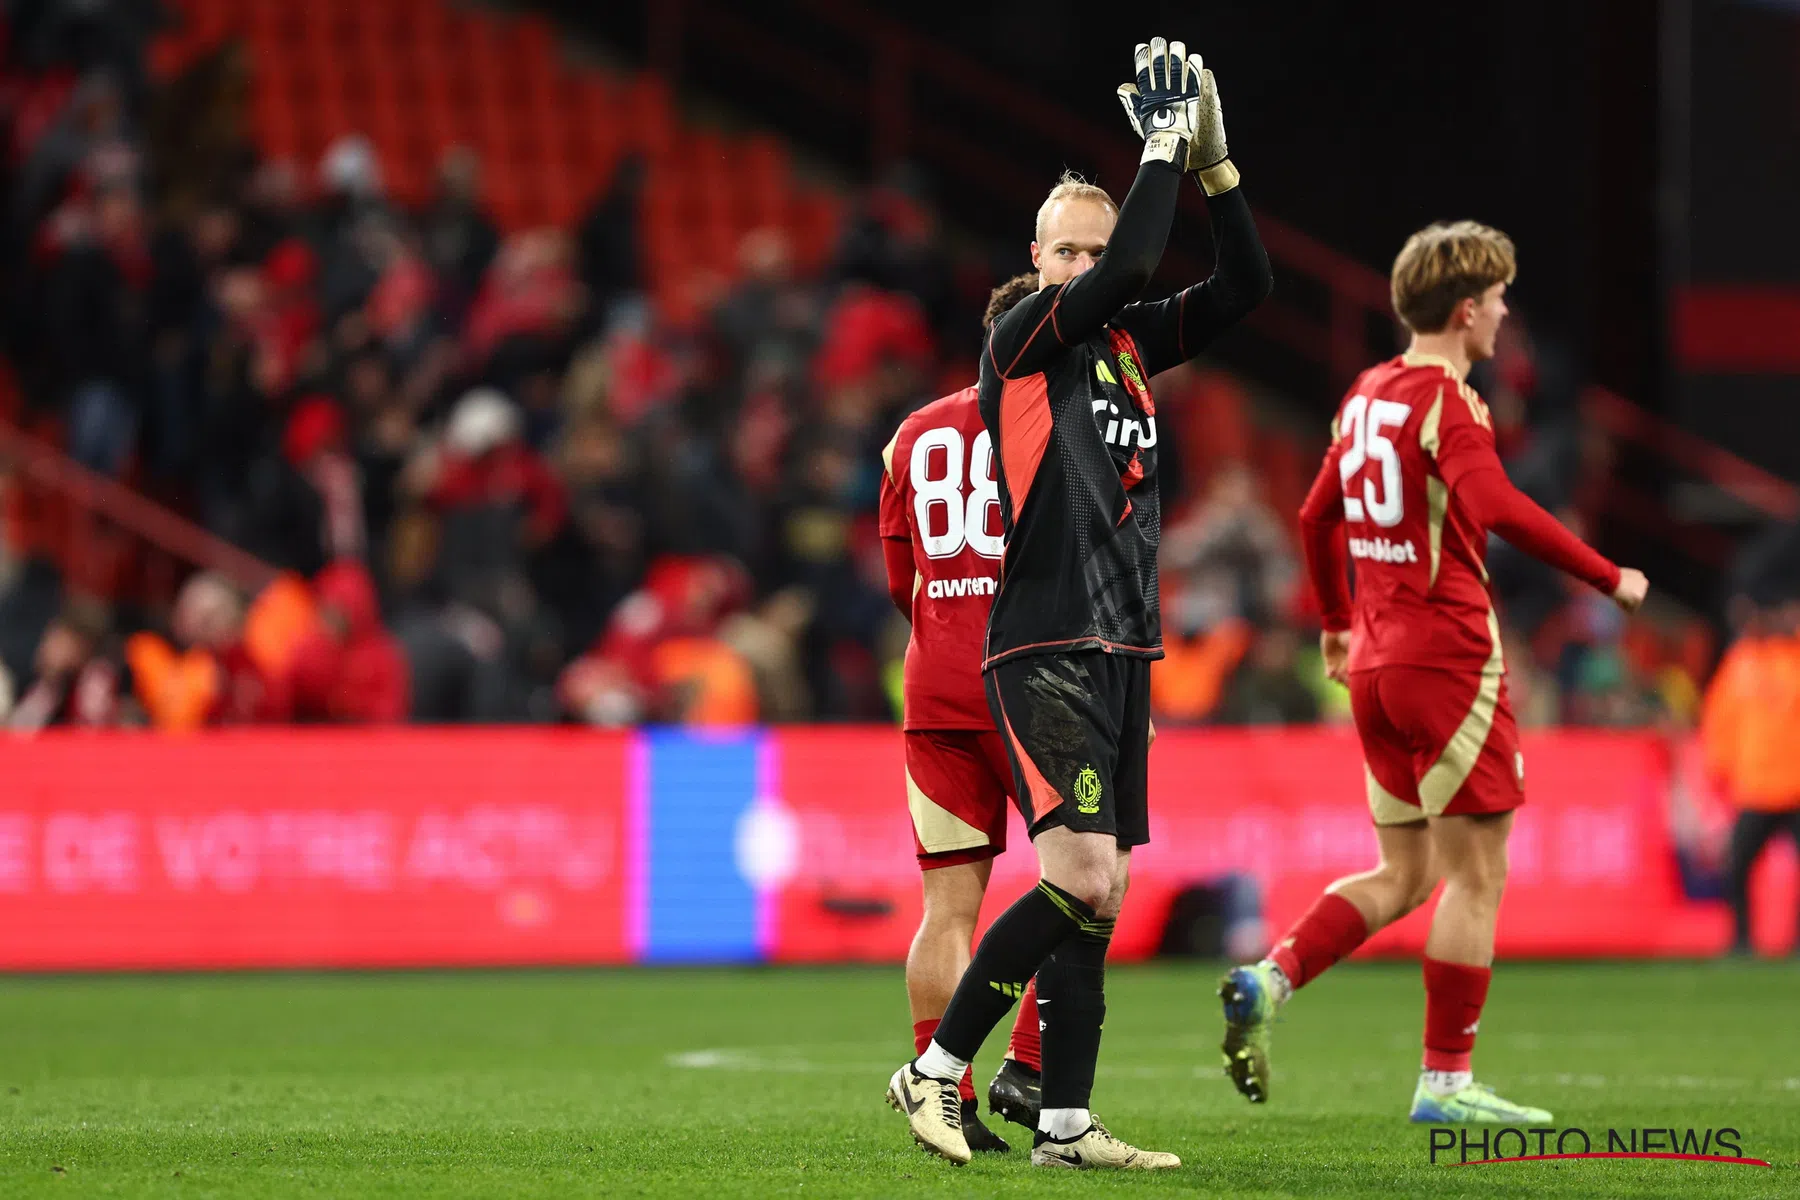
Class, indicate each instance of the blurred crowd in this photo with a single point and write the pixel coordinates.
(501, 483)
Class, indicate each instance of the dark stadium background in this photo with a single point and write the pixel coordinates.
(1356, 122)
(1614, 140)
(300, 426)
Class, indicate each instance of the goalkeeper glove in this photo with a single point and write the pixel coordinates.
(1162, 104)
(1207, 155)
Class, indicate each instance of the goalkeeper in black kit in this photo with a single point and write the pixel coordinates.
(1065, 394)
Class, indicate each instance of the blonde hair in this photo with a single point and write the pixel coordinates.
(1444, 264)
(1071, 186)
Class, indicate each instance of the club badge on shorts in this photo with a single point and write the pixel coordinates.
(1087, 791)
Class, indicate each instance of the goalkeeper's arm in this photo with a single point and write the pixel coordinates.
(1164, 103)
(1174, 330)
(1026, 339)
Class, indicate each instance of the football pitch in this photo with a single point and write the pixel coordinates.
(705, 1083)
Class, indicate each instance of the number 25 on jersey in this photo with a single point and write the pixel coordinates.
(946, 518)
(1367, 424)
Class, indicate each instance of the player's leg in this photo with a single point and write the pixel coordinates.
(1071, 1010)
(1459, 956)
(940, 949)
(1348, 911)
(1110, 794)
(1016, 1091)
(935, 962)
(1343, 917)
(1750, 833)
(1025, 1047)
(1355, 907)
(1076, 877)
(958, 809)
(1471, 789)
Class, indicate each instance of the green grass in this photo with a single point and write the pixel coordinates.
(564, 1084)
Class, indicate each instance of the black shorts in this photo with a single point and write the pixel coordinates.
(1077, 731)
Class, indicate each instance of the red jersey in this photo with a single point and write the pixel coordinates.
(940, 514)
(1413, 478)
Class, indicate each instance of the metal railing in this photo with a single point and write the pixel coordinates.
(157, 549)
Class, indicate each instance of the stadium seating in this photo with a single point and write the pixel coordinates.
(418, 77)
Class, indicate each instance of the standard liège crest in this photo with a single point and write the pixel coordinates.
(1087, 791)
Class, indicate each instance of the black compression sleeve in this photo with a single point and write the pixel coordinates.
(1170, 332)
(1026, 339)
(1241, 279)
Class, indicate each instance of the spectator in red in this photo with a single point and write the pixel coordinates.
(315, 445)
(868, 329)
(660, 657)
(399, 310)
(350, 669)
(213, 680)
(485, 464)
(499, 507)
(290, 320)
(76, 682)
(530, 292)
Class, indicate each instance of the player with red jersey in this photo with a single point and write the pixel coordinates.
(941, 531)
(1412, 478)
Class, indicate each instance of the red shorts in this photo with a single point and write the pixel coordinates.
(958, 786)
(1436, 743)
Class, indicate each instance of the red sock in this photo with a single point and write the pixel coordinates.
(1454, 994)
(923, 1031)
(1025, 1048)
(1331, 928)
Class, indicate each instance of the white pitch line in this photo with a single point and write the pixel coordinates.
(761, 1059)
(730, 1059)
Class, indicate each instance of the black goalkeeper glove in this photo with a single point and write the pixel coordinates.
(1163, 103)
(1207, 156)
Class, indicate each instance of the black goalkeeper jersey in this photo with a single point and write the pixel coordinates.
(1065, 393)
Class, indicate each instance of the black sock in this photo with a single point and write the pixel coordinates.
(1072, 999)
(1015, 946)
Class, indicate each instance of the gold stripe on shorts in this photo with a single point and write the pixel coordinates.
(1453, 767)
(940, 830)
(1385, 808)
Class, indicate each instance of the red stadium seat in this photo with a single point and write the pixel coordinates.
(565, 196)
(270, 24)
(337, 21)
(537, 42)
(420, 76)
(272, 119)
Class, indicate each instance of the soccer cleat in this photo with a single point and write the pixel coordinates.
(981, 1139)
(1248, 996)
(1098, 1150)
(1016, 1094)
(933, 1109)
(1473, 1105)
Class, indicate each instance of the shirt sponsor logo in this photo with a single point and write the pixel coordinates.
(972, 585)
(1121, 433)
(1382, 550)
